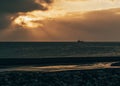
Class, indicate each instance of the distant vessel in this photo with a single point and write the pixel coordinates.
(79, 41)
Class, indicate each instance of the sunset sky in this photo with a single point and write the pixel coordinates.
(59, 20)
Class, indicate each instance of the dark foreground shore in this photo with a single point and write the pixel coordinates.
(56, 61)
(98, 77)
(116, 64)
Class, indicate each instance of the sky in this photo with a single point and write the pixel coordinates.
(59, 20)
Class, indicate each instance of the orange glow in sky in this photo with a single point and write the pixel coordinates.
(63, 20)
(62, 8)
(33, 19)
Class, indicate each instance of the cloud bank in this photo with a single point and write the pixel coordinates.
(103, 25)
(97, 25)
(9, 8)
(13, 6)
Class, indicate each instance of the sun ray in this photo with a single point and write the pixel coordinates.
(33, 19)
(60, 8)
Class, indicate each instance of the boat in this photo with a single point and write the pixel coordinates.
(79, 41)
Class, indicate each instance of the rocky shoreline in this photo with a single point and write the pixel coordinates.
(97, 77)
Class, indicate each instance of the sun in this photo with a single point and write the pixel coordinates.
(35, 19)
(27, 21)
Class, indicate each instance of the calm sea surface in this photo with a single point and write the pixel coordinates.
(58, 49)
(54, 51)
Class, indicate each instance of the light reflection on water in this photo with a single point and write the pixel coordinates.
(56, 68)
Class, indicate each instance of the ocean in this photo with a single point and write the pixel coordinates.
(57, 56)
(58, 49)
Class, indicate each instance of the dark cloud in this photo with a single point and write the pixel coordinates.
(12, 6)
(47, 1)
(4, 21)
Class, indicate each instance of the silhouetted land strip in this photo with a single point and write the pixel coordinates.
(116, 64)
(56, 61)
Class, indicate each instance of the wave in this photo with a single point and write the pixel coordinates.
(56, 68)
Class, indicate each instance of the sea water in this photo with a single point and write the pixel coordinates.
(58, 49)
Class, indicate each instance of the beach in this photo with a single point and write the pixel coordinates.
(60, 72)
(98, 77)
